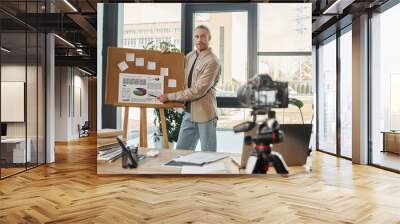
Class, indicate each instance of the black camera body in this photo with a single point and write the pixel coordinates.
(261, 94)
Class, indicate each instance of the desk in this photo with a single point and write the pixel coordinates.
(13, 150)
(155, 165)
(391, 141)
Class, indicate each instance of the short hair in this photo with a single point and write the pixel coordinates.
(204, 28)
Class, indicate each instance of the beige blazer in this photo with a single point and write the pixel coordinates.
(202, 94)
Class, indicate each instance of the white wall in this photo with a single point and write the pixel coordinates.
(61, 104)
(14, 73)
(71, 102)
(79, 117)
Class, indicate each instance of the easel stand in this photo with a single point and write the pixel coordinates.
(143, 126)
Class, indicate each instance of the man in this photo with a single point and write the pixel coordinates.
(202, 71)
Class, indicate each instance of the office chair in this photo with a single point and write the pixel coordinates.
(84, 130)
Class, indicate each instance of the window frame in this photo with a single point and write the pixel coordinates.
(188, 11)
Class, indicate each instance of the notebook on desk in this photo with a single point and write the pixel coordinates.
(218, 167)
(195, 159)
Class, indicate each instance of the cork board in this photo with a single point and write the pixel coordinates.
(173, 61)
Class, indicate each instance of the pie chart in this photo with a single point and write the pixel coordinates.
(139, 91)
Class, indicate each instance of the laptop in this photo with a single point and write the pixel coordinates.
(294, 149)
(295, 146)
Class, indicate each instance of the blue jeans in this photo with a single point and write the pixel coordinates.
(191, 132)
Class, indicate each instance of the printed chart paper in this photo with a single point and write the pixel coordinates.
(139, 61)
(130, 56)
(151, 65)
(122, 66)
(164, 71)
(140, 88)
(172, 83)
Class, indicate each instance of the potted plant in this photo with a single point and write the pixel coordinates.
(173, 116)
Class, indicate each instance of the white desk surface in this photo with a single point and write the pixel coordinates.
(155, 165)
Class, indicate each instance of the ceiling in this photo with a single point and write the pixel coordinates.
(332, 15)
(76, 20)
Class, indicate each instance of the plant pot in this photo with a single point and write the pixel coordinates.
(171, 145)
(157, 140)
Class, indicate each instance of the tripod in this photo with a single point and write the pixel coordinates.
(266, 157)
(268, 132)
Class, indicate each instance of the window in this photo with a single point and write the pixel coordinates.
(327, 96)
(136, 18)
(346, 94)
(229, 43)
(234, 44)
(385, 87)
(284, 27)
(229, 27)
(284, 52)
(297, 71)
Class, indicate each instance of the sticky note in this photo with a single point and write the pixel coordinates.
(130, 56)
(122, 66)
(164, 71)
(172, 83)
(139, 61)
(151, 65)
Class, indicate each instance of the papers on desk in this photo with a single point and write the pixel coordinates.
(199, 158)
(109, 153)
(207, 168)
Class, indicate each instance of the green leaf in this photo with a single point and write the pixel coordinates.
(296, 102)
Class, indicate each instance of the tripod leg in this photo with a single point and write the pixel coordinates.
(261, 166)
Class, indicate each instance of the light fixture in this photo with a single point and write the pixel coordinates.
(80, 51)
(64, 40)
(84, 71)
(337, 7)
(70, 5)
(5, 50)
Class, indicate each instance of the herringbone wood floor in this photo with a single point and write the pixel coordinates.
(70, 191)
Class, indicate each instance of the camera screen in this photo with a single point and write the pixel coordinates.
(266, 97)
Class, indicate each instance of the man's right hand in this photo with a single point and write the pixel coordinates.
(165, 51)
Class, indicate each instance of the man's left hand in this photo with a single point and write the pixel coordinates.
(163, 98)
